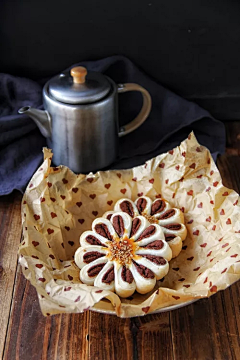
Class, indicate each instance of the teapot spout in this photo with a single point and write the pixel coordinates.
(41, 118)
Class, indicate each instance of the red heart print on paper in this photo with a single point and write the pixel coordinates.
(35, 243)
(50, 231)
(39, 266)
(146, 309)
(67, 288)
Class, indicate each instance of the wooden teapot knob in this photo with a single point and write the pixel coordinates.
(78, 73)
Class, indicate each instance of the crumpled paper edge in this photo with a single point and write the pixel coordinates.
(55, 298)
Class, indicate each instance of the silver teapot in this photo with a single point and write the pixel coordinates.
(80, 120)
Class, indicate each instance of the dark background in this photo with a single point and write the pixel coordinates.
(191, 47)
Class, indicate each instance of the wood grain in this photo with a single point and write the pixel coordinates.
(233, 137)
(10, 234)
(31, 336)
(140, 338)
(229, 167)
(201, 330)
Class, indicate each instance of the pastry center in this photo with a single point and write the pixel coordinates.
(122, 251)
(151, 219)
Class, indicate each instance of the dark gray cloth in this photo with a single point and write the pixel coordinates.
(171, 119)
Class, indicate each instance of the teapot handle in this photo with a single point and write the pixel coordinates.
(145, 110)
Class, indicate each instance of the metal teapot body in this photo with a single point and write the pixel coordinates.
(84, 136)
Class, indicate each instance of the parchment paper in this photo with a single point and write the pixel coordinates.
(59, 205)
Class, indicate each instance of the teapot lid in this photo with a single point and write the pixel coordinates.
(79, 86)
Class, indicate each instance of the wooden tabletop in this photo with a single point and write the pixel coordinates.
(207, 329)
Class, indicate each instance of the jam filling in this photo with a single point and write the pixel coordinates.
(127, 207)
(169, 237)
(91, 256)
(108, 277)
(141, 205)
(144, 271)
(102, 230)
(135, 226)
(127, 275)
(155, 245)
(158, 206)
(92, 240)
(172, 226)
(167, 214)
(158, 260)
(118, 225)
(149, 231)
(95, 269)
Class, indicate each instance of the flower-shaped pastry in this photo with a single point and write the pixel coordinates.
(158, 212)
(123, 254)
